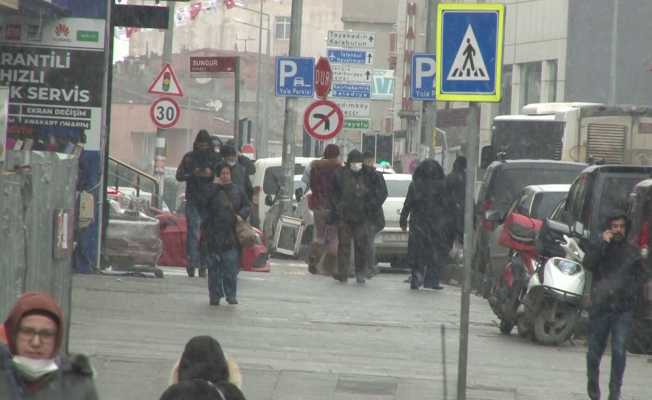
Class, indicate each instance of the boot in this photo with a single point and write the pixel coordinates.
(190, 271)
(202, 272)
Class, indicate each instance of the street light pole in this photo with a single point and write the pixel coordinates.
(290, 121)
(260, 135)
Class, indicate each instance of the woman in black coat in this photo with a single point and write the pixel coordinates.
(218, 240)
(429, 207)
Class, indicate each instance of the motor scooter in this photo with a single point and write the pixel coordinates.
(551, 306)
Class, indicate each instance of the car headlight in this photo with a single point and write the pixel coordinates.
(567, 267)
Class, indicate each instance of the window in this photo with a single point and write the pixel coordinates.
(282, 28)
(531, 83)
(551, 81)
(505, 106)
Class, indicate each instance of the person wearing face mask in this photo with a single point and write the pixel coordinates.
(197, 170)
(239, 172)
(218, 239)
(352, 207)
(616, 272)
(31, 365)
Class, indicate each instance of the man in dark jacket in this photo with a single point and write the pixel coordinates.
(353, 205)
(239, 172)
(197, 169)
(377, 216)
(31, 365)
(323, 250)
(616, 267)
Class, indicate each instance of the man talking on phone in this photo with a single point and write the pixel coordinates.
(616, 268)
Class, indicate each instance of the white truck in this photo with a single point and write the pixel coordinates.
(582, 132)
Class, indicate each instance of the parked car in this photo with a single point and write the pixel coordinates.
(267, 182)
(518, 230)
(391, 242)
(502, 183)
(640, 214)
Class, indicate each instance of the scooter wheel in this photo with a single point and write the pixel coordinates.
(558, 328)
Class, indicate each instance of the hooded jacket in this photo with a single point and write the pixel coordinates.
(197, 186)
(218, 228)
(74, 378)
(203, 358)
(322, 180)
(616, 269)
(352, 192)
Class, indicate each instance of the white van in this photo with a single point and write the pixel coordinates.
(267, 179)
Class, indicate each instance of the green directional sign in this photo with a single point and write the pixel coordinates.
(356, 124)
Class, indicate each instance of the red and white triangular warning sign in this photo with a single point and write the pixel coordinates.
(166, 83)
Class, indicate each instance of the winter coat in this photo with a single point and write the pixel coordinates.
(377, 198)
(235, 376)
(353, 196)
(616, 275)
(218, 228)
(72, 381)
(322, 180)
(197, 187)
(428, 206)
(240, 177)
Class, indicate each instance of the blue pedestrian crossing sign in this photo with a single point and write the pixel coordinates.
(469, 52)
(422, 86)
(295, 76)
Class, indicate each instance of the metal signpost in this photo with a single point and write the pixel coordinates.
(295, 76)
(469, 54)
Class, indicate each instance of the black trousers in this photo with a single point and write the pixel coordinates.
(358, 233)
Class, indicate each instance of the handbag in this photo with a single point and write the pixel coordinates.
(244, 232)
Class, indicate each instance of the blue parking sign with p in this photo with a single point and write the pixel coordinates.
(422, 86)
(295, 76)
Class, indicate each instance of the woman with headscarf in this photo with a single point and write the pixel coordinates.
(31, 364)
(428, 206)
(226, 202)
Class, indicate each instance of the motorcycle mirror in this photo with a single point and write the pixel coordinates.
(269, 200)
(493, 216)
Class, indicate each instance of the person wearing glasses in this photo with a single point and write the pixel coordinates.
(31, 364)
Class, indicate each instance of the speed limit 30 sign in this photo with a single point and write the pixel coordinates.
(165, 112)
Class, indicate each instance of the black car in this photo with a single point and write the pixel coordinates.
(502, 183)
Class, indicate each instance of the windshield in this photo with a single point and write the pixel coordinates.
(545, 203)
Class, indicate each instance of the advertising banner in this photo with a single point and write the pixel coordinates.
(53, 70)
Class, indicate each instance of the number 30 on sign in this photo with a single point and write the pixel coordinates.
(165, 112)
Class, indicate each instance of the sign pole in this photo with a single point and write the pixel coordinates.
(160, 152)
(429, 116)
(290, 122)
(472, 148)
(236, 103)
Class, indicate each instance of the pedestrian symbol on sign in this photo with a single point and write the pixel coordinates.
(469, 64)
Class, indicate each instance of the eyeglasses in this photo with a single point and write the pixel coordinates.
(29, 333)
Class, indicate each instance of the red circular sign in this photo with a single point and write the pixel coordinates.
(165, 112)
(323, 119)
(323, 77)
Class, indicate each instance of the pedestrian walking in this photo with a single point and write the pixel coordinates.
(226, 203)
(239, 171)
(456, 185)
(377, 216)
(203, 358)
(616, 270)
(197, 170)
(32, 366)
(353, 204)
(427, 210)
(323, 250)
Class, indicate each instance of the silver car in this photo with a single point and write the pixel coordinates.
(391, 242)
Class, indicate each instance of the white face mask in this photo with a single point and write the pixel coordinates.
(231, 163)
(33, 369)
(356, 166)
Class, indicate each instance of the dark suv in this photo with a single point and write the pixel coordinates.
(502, 183)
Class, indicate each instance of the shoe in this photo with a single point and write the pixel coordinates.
(190, 271)
(437, 287)
(342, 279)
(312, 269)
(231, 300)
(360, 280)
(215, 302)
(202, 272)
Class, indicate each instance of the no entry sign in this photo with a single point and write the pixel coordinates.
(165, 112)
(323, 120)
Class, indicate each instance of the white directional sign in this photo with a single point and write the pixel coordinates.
(351, 73)
(355, 109)
(351, 39)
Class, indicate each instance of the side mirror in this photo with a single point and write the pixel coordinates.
(298, 194)
(493, 216)
(269, 200)
(487, 156)
(558, 227)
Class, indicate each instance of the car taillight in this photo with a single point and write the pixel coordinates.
(486, 206)
(644, 239)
